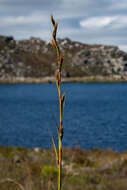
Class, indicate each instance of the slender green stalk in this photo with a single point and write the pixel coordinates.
(61, 101)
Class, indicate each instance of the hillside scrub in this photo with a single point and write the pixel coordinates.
(36, 169)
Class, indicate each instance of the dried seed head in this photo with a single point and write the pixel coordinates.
(57, 78)
(53, 42)
(62, 58)
(62, 102)
(55, 30)
(52, 20)
(63, 98)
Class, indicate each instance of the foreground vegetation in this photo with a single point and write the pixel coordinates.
(25, 169)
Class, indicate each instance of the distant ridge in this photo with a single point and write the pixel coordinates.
(35, 59)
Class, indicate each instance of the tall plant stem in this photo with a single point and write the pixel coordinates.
(61, 101)
(60, 142)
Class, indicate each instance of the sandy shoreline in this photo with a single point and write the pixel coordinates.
(96, 79)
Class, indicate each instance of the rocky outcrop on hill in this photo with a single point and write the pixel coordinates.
(34, 58)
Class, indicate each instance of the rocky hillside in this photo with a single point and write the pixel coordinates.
(34, 58)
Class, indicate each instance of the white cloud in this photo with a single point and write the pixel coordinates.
(27, 19)
(120, 22)
(88, 21)
(97, 22)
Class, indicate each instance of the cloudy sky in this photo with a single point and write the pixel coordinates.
(88, 21)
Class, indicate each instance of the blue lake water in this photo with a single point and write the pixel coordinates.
(95, 115)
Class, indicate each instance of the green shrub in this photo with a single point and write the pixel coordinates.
(49, 171)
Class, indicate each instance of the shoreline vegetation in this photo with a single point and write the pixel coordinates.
(89, 79)
(22, 168)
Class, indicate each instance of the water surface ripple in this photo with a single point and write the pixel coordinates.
(95, 115)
